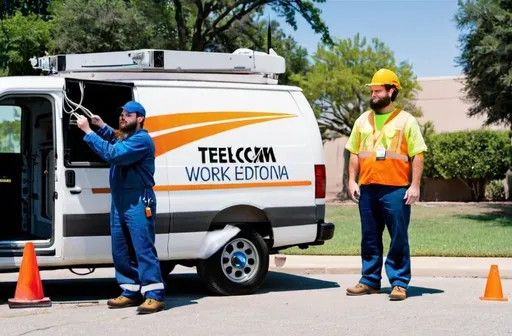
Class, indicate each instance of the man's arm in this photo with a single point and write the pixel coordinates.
(106, 133)
(121, 153)
(416, 148)
(353, 168)
(417, 170)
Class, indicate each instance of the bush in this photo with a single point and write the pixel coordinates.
(495, 191)
(474, 157)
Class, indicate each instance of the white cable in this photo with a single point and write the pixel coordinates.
(77, 106)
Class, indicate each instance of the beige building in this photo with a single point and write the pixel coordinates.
(442, 103)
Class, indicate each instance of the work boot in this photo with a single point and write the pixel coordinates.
(398, 293)
(150, 306)
(122, 302)
(361, 289)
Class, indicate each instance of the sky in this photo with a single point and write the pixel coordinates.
(422, 32)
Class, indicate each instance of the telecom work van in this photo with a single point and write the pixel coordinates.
(233, 149)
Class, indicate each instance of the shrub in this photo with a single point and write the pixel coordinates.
(495, 191)
(474, 157)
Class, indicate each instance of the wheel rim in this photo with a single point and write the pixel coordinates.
(239, 260)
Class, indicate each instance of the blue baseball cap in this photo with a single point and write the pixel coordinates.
(134, 107)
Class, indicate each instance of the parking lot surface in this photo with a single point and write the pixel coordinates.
(287, 305)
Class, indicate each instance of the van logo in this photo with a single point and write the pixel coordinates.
(227, 164)
(237, 155)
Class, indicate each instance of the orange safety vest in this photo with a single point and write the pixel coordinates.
(393, 170)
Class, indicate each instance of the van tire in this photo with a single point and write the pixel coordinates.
(212, 272)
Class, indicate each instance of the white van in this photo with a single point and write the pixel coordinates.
(232, 147)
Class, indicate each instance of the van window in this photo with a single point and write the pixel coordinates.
(10, 129)
(101, 98)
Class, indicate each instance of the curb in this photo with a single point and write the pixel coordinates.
(439, 273)
(421, 267)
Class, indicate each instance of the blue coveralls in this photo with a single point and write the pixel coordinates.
(381, 206)
(133, 234)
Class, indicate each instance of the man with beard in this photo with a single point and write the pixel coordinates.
(385, 142)
(131, 154)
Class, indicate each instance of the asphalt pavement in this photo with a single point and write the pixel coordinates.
(287, 304)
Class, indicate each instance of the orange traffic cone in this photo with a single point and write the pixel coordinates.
(493, 290)
(29, 289)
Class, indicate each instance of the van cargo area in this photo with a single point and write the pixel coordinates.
(27, 155)
(27, 169)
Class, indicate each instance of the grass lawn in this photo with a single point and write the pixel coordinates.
(446, 230)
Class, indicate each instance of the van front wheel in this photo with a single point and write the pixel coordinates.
(239, 267)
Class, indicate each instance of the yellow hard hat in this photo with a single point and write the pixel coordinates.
(385, 76)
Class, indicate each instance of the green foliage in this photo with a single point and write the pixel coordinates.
(495, 191)
(336, 83)
(10, 130)
(474, 157)
(202, 24)
(486, 56)
(97, 26)
(22, 37)
(25, 7)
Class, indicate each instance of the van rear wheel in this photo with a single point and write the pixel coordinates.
(239, 267)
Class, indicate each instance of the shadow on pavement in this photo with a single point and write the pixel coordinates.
(182, 289)
(413, 291)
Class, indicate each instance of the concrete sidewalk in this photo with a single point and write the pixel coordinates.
(421, 266)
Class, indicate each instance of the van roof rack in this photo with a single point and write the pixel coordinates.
(242, 61)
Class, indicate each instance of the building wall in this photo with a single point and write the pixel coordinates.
(442, 103)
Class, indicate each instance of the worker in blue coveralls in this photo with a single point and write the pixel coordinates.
(131, 154)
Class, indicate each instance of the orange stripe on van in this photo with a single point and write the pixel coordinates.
(168, 121)
(218, 186)
(169, 141)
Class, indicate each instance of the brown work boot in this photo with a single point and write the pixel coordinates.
(122, 302)
(361, 289)
(398, 293)
(150, 306)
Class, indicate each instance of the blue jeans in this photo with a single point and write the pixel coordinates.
(381, 206)
(133, 245)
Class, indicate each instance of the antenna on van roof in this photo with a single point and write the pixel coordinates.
(269, 36)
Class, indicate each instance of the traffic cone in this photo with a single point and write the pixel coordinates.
(493, 290)
(29, 289)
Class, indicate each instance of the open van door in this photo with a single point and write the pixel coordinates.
(86, 219)
(29, 169)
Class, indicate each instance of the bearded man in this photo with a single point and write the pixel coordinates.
(130, 151)
(386, 154)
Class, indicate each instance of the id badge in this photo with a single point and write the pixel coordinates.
(381, 153)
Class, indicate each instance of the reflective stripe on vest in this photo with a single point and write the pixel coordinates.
(394, 169)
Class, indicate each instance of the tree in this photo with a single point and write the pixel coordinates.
(200, 23)
(134, 24)
(22, 37)
(79, 26)
(254, 34)
(25, 7)
(486, 55)
(10, 130)
(335, 85)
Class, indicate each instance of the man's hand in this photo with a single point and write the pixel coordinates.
(96, 120)
(83, 124)
(353, 190)
(412, 194)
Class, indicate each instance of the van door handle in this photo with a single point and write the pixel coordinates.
(75, 190)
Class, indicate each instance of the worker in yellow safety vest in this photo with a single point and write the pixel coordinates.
(385, 142)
